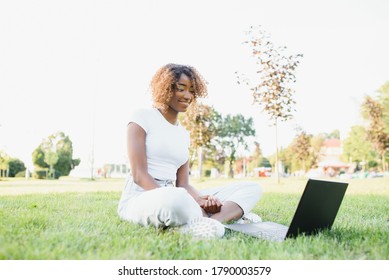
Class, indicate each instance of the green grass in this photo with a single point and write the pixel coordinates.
(85, 225)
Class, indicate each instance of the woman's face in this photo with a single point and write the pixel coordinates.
(183, 96)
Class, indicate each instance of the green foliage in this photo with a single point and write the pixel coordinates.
(62, 162)
(40, 173)
(290, 162)
(265, 162)
(21, 174)
(384, 100)
(256, 159)
(4, 159)
(373, 111)
(301, 148)
(220, 137)
(333, 135)
(10, 166)
(51, 158)
(356, 147)
(65, 161)
(38, 157)
(303, 153)
(202, 126)
(15, 166)
(316, 145)
(233, 134)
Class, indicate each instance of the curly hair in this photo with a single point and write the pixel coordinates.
(163, 84)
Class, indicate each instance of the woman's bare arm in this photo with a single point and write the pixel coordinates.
(136, 150)
(183, 181)
(210, 204)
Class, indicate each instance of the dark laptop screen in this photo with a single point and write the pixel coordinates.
(318, 207)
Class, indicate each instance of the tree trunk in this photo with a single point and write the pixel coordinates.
(231, 171)
(276, 164)
(200, 156)
(231, 163)
(244, 167)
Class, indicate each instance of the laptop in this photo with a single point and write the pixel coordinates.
(315, 212)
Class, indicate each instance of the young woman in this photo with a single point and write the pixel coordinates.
(157, 191)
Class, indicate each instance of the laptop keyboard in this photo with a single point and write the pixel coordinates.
(273, 235)
(265, 230)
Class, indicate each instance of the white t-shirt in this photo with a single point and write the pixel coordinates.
(167, 145)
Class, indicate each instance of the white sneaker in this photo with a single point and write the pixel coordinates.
(203, 228)
(249, 218)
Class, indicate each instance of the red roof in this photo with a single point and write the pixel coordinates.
(332, 143)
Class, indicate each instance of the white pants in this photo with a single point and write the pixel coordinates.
(174, 206)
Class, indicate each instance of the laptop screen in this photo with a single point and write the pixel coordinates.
(318, 207)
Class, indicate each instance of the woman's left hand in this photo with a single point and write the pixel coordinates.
(212, 205)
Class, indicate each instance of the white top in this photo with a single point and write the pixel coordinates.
(167, 145)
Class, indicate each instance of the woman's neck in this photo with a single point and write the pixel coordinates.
(170, 115)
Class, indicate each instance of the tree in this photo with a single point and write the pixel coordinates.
(9, 167)
(334, 134)
(202, 126)
(214, 156)
(61, 145)
(384, 100)
(51, 158)
(295, 158)
(373, 111)
(355, 146)
(4, 164)
(287, 158)
(64, 148)
(38, 158)
(316, 145)
(273, 90)
(15, 166)
(233, 134)
(256, 158)
(302, 149)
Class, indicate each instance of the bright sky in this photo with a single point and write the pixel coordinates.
(64, 64)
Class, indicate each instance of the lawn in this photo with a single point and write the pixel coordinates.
(77, 219)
